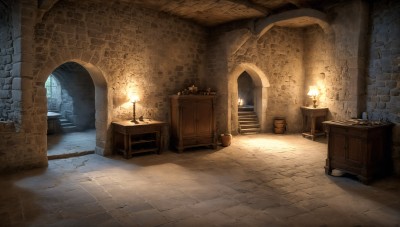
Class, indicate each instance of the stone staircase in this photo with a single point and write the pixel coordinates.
(66, 125)
(248, 120)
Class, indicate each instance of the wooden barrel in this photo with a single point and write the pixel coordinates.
(279, 125)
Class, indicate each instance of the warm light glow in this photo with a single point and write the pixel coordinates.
(313, 91)
(134, 98)
(240, 101)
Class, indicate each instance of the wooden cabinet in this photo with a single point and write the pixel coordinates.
(193, 121)
(130, 138)
(361, 150)
(312, 119)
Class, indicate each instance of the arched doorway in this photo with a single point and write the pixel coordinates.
(102, 103)
(260, 82)
(70, 111)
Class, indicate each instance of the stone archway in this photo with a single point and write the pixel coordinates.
(261, 84)
(103, 103)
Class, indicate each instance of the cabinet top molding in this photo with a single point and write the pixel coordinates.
(355, 124)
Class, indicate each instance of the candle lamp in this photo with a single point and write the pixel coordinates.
(134, 99)
(313, 93)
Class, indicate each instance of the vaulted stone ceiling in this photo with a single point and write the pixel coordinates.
(215, 12)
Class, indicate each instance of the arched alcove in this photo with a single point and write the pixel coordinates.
(261, 84)
(102, 102)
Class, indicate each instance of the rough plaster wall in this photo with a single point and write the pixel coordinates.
(246, 89)
(139, 50)
(321, 71)
(383, 81)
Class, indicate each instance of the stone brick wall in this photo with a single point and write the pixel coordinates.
(23, 145)
(280, 55)
(6, 51)
(138, 50)
(383, 81)
(293, 59)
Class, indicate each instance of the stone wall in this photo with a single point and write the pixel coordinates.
(23, 138)
(125, 49)
(333, 57)
(138, 50)
(278, 54)
(6, 51)
(383, 81)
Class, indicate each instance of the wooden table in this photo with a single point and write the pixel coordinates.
(131, 138)
(312, 118)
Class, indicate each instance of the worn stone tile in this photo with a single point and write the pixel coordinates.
(227, 187)
(169, 203)
(179, 213)
(238, 211)
(149, 218)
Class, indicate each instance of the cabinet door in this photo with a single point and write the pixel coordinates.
(204, 117)
(338, 147)
(354, 152)
(188, 116)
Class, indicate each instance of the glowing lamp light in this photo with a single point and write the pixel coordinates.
(240, 101)
(313, 93)
(134, 99)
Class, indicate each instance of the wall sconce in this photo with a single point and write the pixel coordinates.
(240, 101)
(134, 99)
(313, 92)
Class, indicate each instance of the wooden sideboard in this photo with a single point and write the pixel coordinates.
(361, 150)
(131, 138)
(312, 119)
(193, 121)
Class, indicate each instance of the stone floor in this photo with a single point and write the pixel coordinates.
(260, 180)
(71, 144)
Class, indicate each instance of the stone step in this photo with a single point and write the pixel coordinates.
(246, 108)
(250, 131)
(247, 120)
(67, 126)
(248, 117)
(246, 126)
(246, 113)
(69, 129)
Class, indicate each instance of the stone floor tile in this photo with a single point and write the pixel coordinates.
(283, 212)
(260, 180)
(179, 213)
(212, 205)
(149, 218)
(238, 211)
(170, 203)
